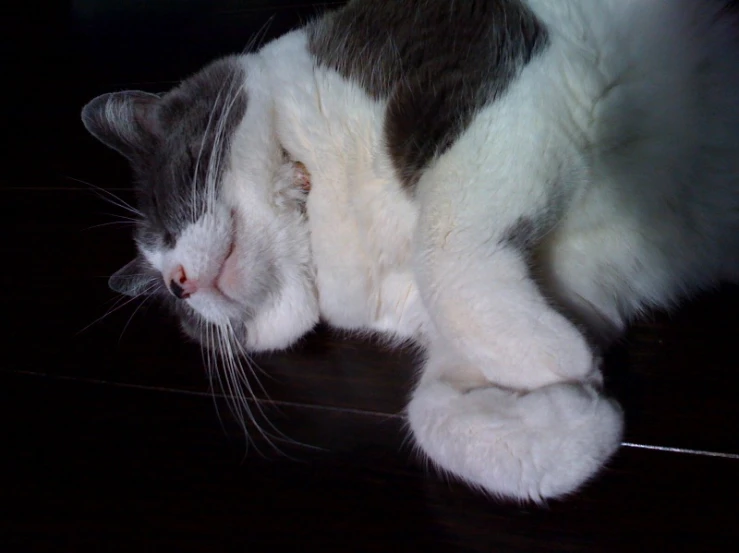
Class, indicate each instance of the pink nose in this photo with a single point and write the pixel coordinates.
(180, 285)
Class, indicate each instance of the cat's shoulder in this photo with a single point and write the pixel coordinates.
(436, 63)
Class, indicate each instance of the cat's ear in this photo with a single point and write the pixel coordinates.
(133, 279)
(126, 121)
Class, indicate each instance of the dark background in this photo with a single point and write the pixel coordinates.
(110, 437)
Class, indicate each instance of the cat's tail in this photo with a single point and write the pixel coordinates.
(523, 445)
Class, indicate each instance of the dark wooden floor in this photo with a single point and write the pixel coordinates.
(111, 439)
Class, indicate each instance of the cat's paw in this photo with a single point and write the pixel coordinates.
(530, 446)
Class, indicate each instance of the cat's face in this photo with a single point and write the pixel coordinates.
(222, 235)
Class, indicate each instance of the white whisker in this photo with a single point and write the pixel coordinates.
(110, 224)
(242, 379)
(217, 155)
(214, 373)
(200, 152)
(249, 361)
(110, 197)
(257, 39)
(235, 398)
(123, 218)
(224, 361)
(242, 356)
(119, 305)
(128, 322)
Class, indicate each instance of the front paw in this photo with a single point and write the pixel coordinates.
(540, 444)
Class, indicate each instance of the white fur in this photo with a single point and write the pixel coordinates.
(612, 133)
(535, 445)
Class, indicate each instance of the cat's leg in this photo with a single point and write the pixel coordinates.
(529, 445)
(509, 399)
(510, 395)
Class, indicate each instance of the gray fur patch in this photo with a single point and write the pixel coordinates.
(521, 235)
(437, 62)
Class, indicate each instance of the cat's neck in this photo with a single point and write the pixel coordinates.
(357, 209)
(323, 120)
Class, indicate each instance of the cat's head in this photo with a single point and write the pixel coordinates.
(222, 236)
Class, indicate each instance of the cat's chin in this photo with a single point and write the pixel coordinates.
(266, 336)
(292, 315)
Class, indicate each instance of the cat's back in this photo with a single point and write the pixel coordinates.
(654, 87)
(380, 44)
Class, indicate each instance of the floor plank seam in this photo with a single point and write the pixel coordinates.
(183, 391)
(329, 408)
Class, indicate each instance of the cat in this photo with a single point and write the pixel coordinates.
(505, 183)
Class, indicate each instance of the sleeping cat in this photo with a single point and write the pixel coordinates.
(506, 183)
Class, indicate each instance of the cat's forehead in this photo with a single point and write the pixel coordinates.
(198, 120)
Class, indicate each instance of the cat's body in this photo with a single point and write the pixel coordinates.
(493, 180)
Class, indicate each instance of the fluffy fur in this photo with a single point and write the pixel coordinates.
(596, 177)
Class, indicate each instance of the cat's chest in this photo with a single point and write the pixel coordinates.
(361, 220)
(362, 227)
